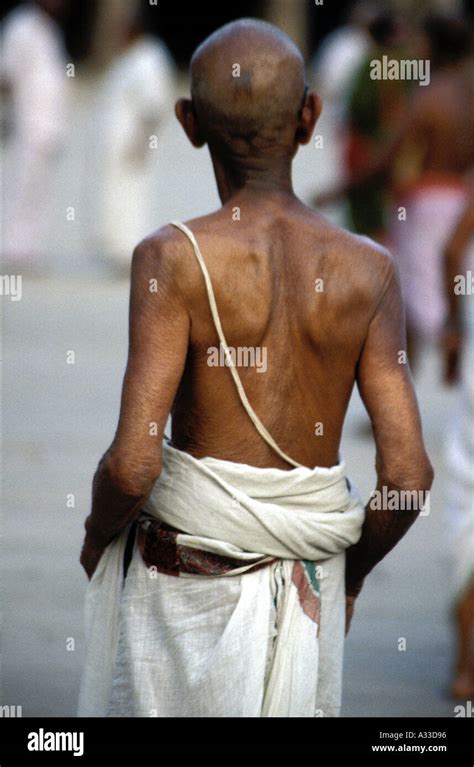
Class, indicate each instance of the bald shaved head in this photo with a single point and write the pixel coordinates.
(247, 87)
(249, 103)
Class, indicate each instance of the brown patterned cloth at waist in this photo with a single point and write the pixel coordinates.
(158, 546)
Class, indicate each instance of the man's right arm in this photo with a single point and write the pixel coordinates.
(386, 388)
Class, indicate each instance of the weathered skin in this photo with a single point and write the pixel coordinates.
(319, 344)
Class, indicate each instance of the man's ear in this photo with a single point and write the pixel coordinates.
(186, 115)
(308, 119)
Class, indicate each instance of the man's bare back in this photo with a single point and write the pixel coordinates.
(303, 293)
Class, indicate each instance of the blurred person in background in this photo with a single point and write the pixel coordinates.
(458, 337)
(132, 100)
(33, 73)
(371, 114)
(374, 110)
(332, 72)
(438, 134)
(426, 166)
(340, 55)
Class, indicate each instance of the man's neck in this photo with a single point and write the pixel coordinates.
(259, 179)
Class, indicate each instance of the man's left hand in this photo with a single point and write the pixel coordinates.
(90, 556)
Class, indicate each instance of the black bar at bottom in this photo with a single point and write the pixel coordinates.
(57, 740)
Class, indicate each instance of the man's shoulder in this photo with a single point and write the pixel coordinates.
(167, 252)
(355, 250)
(370, 254)
(163, 247)
(361, 267)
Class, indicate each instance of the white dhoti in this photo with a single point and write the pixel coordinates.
(261, 636)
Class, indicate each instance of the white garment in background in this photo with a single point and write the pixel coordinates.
(333, 68)
(432, 211)
(33, 64)
(459, 461)
(134, 97)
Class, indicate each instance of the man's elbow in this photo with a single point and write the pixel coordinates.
(422, 491)
(424, 475)
(428, 475)
(131, 476)
(410, 476)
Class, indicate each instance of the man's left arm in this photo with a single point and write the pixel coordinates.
(158, 343)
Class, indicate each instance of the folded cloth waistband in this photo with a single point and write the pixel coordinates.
(248, 514)
(161, 547)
